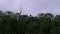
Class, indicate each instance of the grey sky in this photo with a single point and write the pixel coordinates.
(31, 6)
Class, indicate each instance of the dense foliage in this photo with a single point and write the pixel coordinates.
(15, 23)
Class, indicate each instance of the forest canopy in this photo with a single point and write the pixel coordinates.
(15, 23)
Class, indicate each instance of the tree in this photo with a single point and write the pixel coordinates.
(57, 20)
(49, 15)
(10, 14)
(45, 22)
(40, 15)
(15, 23)
(55, 30)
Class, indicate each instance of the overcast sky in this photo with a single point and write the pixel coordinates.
(31, 6)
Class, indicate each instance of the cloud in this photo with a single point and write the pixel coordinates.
(31, 6)
(38, 6)
(12, 5)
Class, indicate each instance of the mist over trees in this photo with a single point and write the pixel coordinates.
(15, 23)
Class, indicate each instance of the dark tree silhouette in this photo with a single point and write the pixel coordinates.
(15, 23)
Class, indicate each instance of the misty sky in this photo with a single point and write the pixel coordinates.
(31, 6)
